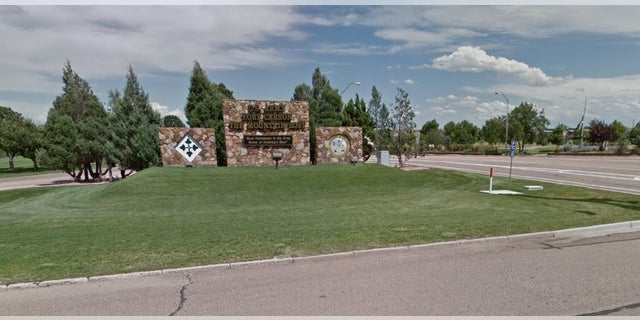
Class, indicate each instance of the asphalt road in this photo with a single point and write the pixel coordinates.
(619, 174)
(533, 275)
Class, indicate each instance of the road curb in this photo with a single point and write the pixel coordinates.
(599, 230)
(60, 282)
(592, 231)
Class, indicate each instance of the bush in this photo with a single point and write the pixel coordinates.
(623, 147)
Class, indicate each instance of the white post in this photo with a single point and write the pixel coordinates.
(490, 179)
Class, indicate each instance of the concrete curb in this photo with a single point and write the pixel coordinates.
(592, 231)
(60, 282)
(600, 230)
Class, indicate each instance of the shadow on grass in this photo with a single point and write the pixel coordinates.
(624, 204)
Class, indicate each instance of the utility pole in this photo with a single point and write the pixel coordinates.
(506, 130)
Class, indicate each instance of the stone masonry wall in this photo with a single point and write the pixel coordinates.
(255, 129)
(324, 136)
(171, 136)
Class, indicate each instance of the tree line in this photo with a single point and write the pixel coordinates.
(87, 140)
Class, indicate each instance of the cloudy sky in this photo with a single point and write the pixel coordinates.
(450, 59)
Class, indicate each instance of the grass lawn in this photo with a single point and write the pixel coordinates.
(22, 167)
(173, 217)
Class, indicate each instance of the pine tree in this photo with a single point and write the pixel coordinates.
(171, 120)
(381, 124)
(79, 122)
(204, 107)
(135, 127)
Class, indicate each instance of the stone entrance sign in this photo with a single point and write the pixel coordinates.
(255, 129)
(187, 146)
(338, 144)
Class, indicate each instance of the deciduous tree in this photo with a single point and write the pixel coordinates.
(18, 136)
(527, 124)
(557, 136)
(601, 133)
(403, 137)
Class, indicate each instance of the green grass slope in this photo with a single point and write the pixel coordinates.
(173, 217)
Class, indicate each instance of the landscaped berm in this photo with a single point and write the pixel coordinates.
(175, 216)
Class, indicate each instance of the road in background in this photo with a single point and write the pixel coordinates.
(620, 174)
(39, 180)
(44, 180)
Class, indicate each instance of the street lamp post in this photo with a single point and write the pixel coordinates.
(506, 131)
(357, 83)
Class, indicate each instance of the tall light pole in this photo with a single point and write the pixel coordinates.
(506, 131)
(357, 83)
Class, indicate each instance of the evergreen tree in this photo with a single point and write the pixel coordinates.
(204, 107)
(355, 114)
(171, 120)
(79, 123)
(60, 150)
(381, 125)
(325, 106)
(384, 133)
(135, 127)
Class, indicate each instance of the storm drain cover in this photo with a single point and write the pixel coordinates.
(188, 147)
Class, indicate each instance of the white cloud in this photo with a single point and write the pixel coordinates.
(607, 99)
(473, 59)
(459, 22)
(441, 111)
(409, 81)
(415, 38)
(164, 111)
(152, 38)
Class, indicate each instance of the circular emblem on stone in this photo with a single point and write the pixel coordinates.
(339, 145)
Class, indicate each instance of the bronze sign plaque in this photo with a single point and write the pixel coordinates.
(267, 141)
